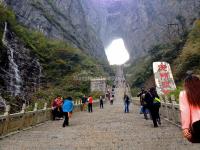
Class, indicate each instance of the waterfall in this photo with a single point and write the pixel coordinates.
(15, 78)
(3, 3)
(40, 74)
(2, 102)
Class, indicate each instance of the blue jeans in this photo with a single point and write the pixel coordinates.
(126, 108)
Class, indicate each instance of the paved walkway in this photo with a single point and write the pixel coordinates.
(104, 129)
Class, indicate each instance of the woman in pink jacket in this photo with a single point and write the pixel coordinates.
(189, 100)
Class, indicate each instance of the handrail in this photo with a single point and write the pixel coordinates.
(169, 109)
(25, 119)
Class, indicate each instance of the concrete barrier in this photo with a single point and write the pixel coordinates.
(25, 119)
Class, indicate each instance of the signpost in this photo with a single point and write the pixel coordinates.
(163, 78)
(98, 84)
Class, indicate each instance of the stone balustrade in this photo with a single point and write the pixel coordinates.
(169, 109)
(26, 119)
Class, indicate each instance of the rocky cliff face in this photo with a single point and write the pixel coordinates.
(60, 19)
(85, 23)
(141, 23)
(20, 71)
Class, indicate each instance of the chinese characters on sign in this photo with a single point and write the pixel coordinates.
(163, 77)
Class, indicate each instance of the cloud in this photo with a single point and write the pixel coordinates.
(116, 52)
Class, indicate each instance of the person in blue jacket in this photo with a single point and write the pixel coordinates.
(67, 110)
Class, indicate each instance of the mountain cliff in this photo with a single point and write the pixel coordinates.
(92, 24)
(20, 71)
(36, 68)
(59, 19)
(141, 23)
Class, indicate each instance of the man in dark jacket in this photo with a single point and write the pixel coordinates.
(126, 103)
(101, 102)
(84, 101)
(149, 99)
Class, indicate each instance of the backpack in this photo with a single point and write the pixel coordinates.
(148, 99)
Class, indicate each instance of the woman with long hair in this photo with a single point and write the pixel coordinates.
(189, 100)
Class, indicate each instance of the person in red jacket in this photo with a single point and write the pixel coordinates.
(56, 107)
(90, 101)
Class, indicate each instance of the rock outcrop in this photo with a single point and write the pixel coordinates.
(60, 19)
(20, 71)
(141, 23)
(89, 23)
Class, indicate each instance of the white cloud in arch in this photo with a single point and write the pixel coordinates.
(117, 53)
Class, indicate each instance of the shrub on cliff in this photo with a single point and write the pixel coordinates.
(59, 60)
(189, 58)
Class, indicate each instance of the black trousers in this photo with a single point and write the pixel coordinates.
(66, 120)
(57, 112)
(111, 102)
(145, 111)
(154, 110)
(157, 107)
(101, 104)
(90, 107)
(196, 132)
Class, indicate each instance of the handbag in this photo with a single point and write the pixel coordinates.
(194, 130)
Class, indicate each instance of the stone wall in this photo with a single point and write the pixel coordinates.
(170, 110)
(10, 123)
